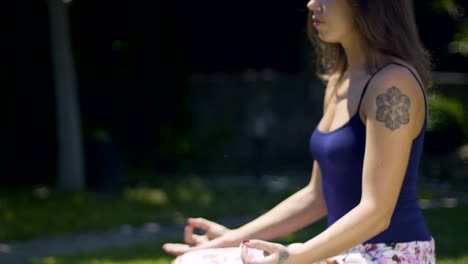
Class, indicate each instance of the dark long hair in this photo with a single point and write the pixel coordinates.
(388, 28)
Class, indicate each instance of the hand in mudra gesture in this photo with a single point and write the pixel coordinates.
(212, 231)
(273, 253)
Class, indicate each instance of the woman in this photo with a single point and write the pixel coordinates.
(366, 149)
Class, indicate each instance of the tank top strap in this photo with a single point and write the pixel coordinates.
(385, 65)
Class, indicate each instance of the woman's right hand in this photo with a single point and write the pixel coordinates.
(211, 237)
(211, 229)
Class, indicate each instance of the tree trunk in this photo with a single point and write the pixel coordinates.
(70, 170)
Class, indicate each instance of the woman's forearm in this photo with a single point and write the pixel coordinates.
(299, 210)
(359, 225)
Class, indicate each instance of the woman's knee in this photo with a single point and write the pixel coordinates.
(178, 260)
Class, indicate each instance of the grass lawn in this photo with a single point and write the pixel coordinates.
(29, 213)
(448, 226)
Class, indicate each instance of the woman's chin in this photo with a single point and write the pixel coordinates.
(326, 39)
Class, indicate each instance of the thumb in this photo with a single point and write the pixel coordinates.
(176, 249)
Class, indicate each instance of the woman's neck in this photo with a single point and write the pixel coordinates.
(355, 51)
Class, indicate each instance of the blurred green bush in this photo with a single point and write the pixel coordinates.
(447, 125)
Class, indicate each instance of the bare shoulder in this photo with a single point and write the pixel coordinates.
(395, 98)
(395, 75)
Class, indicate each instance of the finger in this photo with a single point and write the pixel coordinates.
(262, 245)
(255, 259)
(271, 259)
(245, 254)
(188, 235)
(199, 239)
(176, 249)
(201, 223)
(208, 244)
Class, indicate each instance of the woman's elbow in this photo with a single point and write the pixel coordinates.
(383, 224)
(382, 217)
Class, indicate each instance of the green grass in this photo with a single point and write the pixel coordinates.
(30, 213)
(448, 226)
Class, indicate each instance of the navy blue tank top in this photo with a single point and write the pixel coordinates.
(340, 154)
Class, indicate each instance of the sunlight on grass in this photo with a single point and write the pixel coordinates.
(447, 226)
(460, 260)
(148, 195)
(196, 191)
(184, 194)
(166, 202)
(169, 201)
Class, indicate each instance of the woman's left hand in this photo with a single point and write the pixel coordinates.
(274, 253)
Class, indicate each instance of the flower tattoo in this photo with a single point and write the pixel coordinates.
(393, 108)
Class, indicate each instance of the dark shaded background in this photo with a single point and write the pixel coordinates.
(138, 63)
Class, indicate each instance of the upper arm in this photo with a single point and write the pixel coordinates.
(394, 110)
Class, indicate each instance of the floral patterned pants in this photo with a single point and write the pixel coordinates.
(416, 252)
